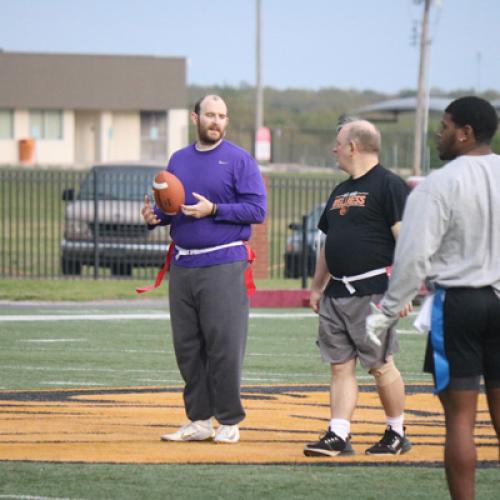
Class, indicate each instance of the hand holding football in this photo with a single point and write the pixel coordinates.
(168, 192)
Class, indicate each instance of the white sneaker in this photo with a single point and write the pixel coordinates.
(199, 430)
(227, 434)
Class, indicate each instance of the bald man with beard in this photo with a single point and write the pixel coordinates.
(208, 296)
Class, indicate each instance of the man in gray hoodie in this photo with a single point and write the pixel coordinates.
(450, 234)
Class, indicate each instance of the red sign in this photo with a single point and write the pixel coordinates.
(263, 144)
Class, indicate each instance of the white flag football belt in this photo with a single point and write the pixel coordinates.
(347, 280)
(197, 251)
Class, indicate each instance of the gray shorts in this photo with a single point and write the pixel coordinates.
(342, 332)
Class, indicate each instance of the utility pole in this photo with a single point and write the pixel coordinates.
(262, 151)
(258, 77)
(478, 85)
(420, 118)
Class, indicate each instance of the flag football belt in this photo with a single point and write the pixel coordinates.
(249, 282)
(198, 251)
(347, 280)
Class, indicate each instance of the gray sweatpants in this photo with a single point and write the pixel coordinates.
(209, 315)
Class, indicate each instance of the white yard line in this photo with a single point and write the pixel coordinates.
(71, 383)
(287, 315)
(250, 373)
(83, 317)
(52, 340)
(136, 316)
(103, 370)
(144, 316)
(277, 355)
(258, 379)
(163, 380)
(29, 497)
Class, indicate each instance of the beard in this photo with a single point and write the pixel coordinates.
(447, 155)
(208, 135)
(447, 149)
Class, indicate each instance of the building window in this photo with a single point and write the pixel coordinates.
(46, 124)
(6, 124)
(154, 135)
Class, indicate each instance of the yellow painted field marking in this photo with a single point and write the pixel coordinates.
(124, 425)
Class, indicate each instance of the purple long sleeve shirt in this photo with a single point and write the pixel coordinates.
(229, 177)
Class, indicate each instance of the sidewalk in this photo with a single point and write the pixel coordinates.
(273, 298)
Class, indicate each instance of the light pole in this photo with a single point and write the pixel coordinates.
(420, 113)
(258, 76)
(262, 151)
(478, 58)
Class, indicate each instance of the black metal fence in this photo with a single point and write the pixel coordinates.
(87, 224)
(295, 205)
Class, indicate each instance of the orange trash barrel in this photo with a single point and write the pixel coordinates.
(26, 150)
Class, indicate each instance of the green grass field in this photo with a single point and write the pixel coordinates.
(128, 352)
(47, 354)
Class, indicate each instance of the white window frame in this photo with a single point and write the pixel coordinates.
(42, 130)
(9, 113)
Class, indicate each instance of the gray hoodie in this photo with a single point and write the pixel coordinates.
(450, 232)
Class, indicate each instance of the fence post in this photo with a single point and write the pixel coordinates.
(305, 253)
(96, 227)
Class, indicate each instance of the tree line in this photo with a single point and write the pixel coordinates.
(303, 121)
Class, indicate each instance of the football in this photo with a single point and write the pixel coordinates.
(168, 192)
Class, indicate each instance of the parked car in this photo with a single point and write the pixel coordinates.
(314, 239)
(103, 225)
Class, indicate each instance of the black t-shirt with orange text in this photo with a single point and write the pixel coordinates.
(357, 221)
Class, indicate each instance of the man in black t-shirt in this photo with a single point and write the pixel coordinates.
(361, 221)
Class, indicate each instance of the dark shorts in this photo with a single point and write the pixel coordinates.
(342, 332)
(471, 328)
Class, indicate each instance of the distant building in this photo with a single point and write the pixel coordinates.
(69, 109)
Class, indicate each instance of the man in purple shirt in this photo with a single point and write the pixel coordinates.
(209, 305)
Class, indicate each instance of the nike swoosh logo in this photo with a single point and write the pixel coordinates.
(221, 162)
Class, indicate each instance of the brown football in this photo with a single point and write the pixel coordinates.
(168, 192)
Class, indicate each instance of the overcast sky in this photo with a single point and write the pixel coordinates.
(361, 44)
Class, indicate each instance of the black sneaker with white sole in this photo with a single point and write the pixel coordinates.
(329, 445)
(391, 443)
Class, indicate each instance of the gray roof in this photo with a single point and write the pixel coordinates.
(404, 104)
(99, 82)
